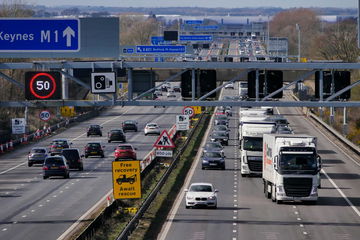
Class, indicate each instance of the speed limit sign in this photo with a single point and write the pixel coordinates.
(45, 115)
(42, 85)
(188, 111)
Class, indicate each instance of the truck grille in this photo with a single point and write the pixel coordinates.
(297, 187)
(255, 166)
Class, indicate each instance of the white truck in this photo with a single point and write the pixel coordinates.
(291, 167)
(251, 139)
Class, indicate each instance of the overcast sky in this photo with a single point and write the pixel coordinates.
(202, 3)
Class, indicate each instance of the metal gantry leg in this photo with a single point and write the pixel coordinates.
(321, 92)
(193, 84)
(332, 115)
(257, 85)
(130, 84)
(345, 125)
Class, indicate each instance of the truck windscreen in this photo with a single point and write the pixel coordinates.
(298, 162)
(252, 143)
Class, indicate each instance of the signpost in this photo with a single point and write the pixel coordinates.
(196, 38)
(39, 35)
(160, 49)
(182, 122)
(42, 85)
(104, 82)
(18, 125)
(164, 153)
(45, 115)
(126, 179)
(188, 111)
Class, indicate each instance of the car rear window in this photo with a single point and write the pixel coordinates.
(71, 154)
(152, 125)
(59, 142)
(116, 131)
(125, 148)
(38, 151)
(94, 126)
(57, 161)
(201, 188)
(93, 144)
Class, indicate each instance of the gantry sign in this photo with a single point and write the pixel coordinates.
(325, 100)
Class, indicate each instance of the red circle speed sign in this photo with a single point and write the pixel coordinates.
(42, 85)
(188, 111)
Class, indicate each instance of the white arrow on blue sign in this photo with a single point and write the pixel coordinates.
(39, 35)
(160, 49)
(195, 38)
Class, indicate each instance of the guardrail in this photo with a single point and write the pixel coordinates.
(134, 221)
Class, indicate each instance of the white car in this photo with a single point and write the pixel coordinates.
(229, 85)
(201, 195)
(152, 128)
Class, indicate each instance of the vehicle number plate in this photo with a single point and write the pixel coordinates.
(212, 164)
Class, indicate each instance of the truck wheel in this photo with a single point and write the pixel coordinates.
(279, 202)
(267, 194)
(273, 193)
(243, 175)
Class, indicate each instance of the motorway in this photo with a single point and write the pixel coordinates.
(33, 208)
(244, 212)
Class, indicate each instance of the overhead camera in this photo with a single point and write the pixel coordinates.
(101, 82)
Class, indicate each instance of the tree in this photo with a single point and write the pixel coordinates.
(15, 8)
(137, 30)
(284, 25)
(339, 42)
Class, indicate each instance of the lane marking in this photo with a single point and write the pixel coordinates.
(341, 193)
(13, 168)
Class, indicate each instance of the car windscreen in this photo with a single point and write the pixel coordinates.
(212, 154)
(124, 147)
(200, 188)
(37, 150)
(94, 126)
(219, 134)
(213, 145)
(116, 132)
(71, 154)
(56, 161)
(221, 128)
(94, 145)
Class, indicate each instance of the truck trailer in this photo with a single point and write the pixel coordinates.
(291, 167)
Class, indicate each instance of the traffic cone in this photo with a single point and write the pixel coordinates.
(1, 148)
(25, 139)
(11, 145)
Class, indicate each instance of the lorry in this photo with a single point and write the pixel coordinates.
(251, 139)
(291, 168)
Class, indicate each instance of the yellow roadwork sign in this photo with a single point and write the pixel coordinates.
(126, 179)
(197, 109)
(67, 111)
(130, 210)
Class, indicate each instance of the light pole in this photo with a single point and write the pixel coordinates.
(298, 29)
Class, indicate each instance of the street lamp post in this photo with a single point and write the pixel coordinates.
(299, 44)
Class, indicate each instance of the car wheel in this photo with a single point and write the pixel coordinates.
(29, 164)
(86, 156)
(67, 176)
(45, 177)
(145, 134)
(223, 168)
(102, 156)
(100, 135)
(187, 207)
(109, 141)
(81, 168)
(87, 135)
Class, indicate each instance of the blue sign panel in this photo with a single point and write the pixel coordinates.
(156, 40)
(160, 49)
(207, 27)
(196, 38)
(191, 22)
(39, 35)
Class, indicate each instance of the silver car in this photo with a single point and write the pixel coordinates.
(152, 128)
(37, 155)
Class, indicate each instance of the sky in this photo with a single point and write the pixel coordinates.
(201, 3)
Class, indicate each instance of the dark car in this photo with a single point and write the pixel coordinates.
(57, 145)
(213, 160)
(214, 147)
(129, 125)
(221, 122)
(73, 158)
(55, 166)
(177, 89)
(116, 135)
(37, 155)
(220, 137)
(94, 130)
(283, 130)
(94, 149)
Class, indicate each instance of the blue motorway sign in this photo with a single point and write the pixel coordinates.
(191, 22)
(39, 35)
(195, 38)
(160, 49)
(207, 27)
(156, 40)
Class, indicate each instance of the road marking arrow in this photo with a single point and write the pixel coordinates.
(68, 33)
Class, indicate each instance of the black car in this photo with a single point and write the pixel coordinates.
(94, 130)
(55, 166)
(177, 89)
(129, 125)
(73, 158)
(37, 155)
(94, 149)
(220, 137)
(213, 160)
(116, 135)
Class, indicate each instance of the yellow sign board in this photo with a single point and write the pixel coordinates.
(126, 179)
(67, 111)
(197, 109)
(130, 210)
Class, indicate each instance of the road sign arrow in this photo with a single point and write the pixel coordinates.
(68, 33)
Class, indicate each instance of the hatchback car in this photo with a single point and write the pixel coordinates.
(130, 125)
(152, 128)
(125, 151)
(213, 159)
(214, 147)
(116, 135)
(201, 195)
(177, 89)
(94, 130)
(220, 137)
(222, 128)
(73, 158)
(94, 149)
(55, 166)
(37, 155)
(57, 145)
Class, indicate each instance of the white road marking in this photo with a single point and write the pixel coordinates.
(301, 225)
(341, 193)
(234, 217)
(4, 229)
(48, 200)
(305, 233)
(234, 231)
(12, 168)
(296, 213)
(23, 216)
(41, 205)
(54, 196)
(299, 219)
(234, 224)
(32, 210)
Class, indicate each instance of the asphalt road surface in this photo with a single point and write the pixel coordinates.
(244, 212)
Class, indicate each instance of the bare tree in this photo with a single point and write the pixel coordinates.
(137, 29)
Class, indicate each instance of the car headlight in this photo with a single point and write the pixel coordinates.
(189, 197)
(211, 198)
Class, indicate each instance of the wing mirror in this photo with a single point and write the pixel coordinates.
(216, 190)
(276, 162)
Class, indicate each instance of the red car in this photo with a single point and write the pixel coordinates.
(125, 151)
